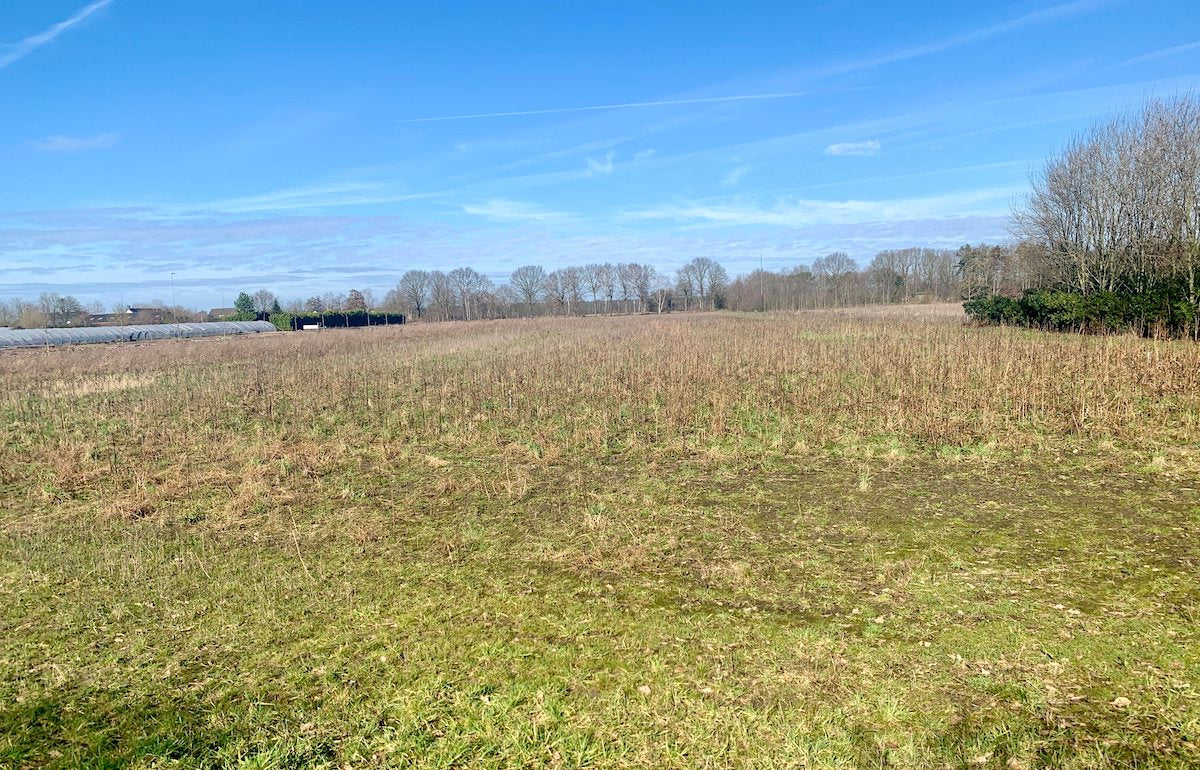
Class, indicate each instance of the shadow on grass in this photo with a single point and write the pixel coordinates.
(100, 730)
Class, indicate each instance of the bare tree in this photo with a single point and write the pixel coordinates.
(892, 271)
(563, 288)
(572, 279)
(467, 285)
(264, 301)
(710, 280)
(529, 282)
(987, 269)
(413, 291)
(891, 274)
(935, 274)
(441, 296)
(835, 270)
(703, 278)
(505, 302)
(1117, 209)
(640, 278)
(60, 310)
(333, 302)
(26, 314)
(593, 281)
(608, 280)
(556, 290)
(660, 291)
(9, 312)
(686, 285)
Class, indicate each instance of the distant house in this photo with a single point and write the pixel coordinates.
(146, 315)
(132, 314)
(221, 313)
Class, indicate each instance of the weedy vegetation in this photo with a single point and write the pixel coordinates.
(869, 538)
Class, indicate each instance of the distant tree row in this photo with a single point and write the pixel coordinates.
(835, 280)
(899, 275)
(52, 309)
(49, 309)
(904, 275)
(464, 293)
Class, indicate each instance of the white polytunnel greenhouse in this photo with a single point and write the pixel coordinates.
(36, 338)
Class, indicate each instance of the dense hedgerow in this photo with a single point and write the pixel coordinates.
(339, 319)
(1161, 312)
(1115, 223)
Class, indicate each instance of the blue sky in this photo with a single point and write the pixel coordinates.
(306, 147)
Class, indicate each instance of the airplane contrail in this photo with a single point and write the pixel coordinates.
(593, 108)
(33, 42)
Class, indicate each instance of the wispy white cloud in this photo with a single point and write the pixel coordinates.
(644, 154)
(1024, 166)
(583, 148)
(623, 106)
(734, 177)
(1042, 16)
(105, 254)
(800, 212)
(334, 195)
(61, 143)
(1050, 107)
(503, 210)
(33, 42)
(605, 166)
(869, 147)
(919, 128)
(1161, 53)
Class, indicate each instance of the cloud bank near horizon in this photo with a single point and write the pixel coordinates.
(110, 254)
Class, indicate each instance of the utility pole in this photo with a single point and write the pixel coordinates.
(174, 308)
(762, 294)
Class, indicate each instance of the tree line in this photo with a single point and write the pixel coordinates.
(52, 309)
(1112, 230)
(834, 280)
(464, 293)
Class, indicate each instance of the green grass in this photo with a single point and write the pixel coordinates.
(333, 601)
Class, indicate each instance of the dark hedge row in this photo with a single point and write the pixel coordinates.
(339, 319)
(1163, 311)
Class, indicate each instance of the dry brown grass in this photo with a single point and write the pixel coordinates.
(913, 375)
(858, 538)
(259, 421)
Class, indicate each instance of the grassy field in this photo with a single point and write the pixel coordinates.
(875, 539)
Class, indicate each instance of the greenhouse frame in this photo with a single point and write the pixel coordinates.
(37, 338)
